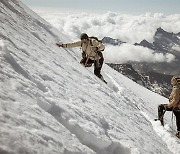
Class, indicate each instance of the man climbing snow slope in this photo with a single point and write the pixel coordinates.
(91, 52)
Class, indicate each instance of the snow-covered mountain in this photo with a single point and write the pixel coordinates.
(111, 41)
(50, 104)
(154, 76)
(154, 81)
(165, 42)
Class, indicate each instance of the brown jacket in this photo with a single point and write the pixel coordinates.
(174, 98)
(86, 47)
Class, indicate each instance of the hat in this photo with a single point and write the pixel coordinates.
(84, 36)
(175, 80)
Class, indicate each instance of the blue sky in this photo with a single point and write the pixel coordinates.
(125, 6)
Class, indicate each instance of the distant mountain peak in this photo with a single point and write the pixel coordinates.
(146, 44)
(109, 40)
(160, 30)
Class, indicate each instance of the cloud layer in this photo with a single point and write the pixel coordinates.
(128, 53)
(128, 28)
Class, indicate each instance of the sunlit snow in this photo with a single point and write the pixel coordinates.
(51, 104)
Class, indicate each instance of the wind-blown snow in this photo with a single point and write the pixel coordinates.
(51, 104)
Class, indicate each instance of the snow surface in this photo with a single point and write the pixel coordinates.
(50, 104)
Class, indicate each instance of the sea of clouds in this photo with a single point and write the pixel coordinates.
(128, 28)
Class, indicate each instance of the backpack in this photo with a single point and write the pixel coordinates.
(93, 37)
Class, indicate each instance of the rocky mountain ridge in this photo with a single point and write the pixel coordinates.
(154, 81)
(154, 76)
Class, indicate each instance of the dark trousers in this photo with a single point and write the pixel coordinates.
(176, 112)
(162, 108)
(97, 65)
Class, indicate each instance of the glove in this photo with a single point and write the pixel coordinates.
(60, 45)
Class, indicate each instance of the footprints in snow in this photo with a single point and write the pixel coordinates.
(96, 144)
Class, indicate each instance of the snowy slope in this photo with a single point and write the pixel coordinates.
(50, 104)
